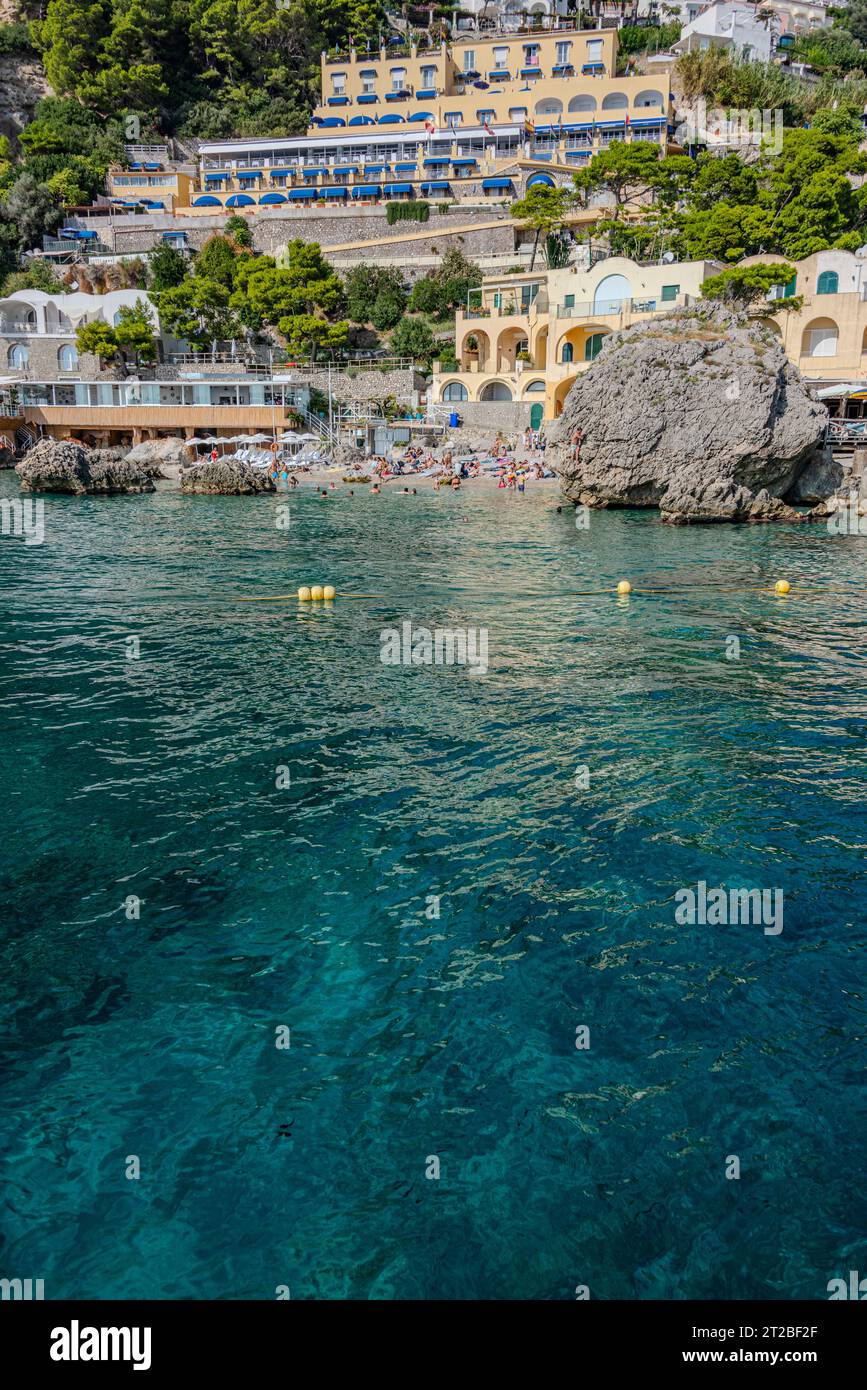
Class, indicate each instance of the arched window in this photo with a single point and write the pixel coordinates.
(535, 388)
(567, 353)
(615, 101)
(610, 294)
(584, 103)
(828, 282)
(495, 391)
(67, 358)
(592, 346)
(19, 356)
(820, 339)
(549, 106)
(455, 391)
(648, 97)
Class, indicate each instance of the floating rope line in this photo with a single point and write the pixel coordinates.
(780, 589)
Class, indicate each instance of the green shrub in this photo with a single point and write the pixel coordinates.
(416, 211)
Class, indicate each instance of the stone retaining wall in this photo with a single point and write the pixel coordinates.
(271, 231)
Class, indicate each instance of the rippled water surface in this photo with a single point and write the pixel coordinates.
(304, 906)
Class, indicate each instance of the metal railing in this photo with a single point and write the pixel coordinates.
(609, 308)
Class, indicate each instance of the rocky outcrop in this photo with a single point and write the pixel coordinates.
(154, 453)
(698, 413)
(63, 466)
(229, 477)
(111, 475)
(23, 84)
(55, 466)
(822, 477)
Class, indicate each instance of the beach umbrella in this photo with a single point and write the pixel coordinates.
(260, 439)
(306, 437)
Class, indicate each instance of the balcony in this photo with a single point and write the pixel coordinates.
(618, 308)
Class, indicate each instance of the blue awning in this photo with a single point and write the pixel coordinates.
(648, 121)
(361, 120)
(332, 121)
(313, 173)
(152, 167)
(206, 201)
(612, 125)
(437, 183)
(562, 67)
(367, 98)
(332, 192)
(215, 178)
(581, 125)
(421, 116)
(370, 169)
(398, 96)
(496, 183)
(366, 190)
(468, 162)
(390, 120)
(404, 168)
(297, 194)
(272, 198)
(150, 203)
(338, 101)
(174, 236)
(249, 173)
(345, 169)
(397, 188)
(531, 72)
(425, 93)
(436, 159)
(499, 75)
(593, 67)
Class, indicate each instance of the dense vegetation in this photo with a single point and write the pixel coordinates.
(210, 68)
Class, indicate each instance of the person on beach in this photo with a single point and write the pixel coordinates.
(213, 454)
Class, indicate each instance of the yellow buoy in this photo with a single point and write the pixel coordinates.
(624, 587)
(782, 586)
(316, 591)
(328, 591)
(304, 592)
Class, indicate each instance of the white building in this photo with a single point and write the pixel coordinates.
(37, 330)
(729, 25)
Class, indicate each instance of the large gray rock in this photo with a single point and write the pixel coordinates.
(63, 466)
(55, 465)
(821, 478)
(154, 453)
(699, 413)
(229, 477)
(111, 475)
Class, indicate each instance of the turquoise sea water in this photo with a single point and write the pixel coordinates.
(304, 906)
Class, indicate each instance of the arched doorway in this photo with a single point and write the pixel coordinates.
(536, 412)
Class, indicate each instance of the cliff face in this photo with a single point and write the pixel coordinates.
(22, 84)
(699, 413)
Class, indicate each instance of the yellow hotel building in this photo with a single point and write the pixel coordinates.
(474, 120)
